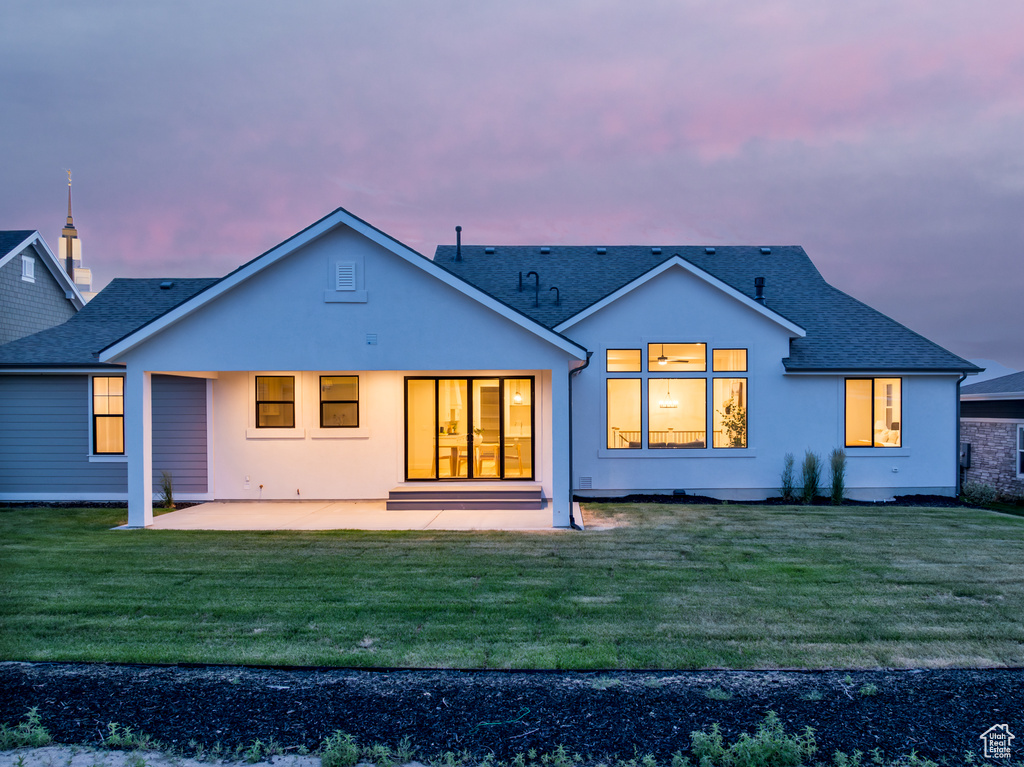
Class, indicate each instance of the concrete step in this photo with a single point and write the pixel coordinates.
(441, 497)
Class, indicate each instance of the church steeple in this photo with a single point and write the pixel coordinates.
(70, 249)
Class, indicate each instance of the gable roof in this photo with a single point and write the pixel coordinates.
(122, 306)
(14, 241)
(1005, 387)
(339, 217)
(841, 332)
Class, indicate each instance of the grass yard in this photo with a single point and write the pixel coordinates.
(671, 587)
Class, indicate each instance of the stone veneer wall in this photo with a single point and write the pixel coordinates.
(993, 454)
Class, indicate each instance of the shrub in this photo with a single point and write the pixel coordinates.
(167, 487)
(811, 476)
(837, 470)
(769, 746)
(977, 493)
(29, 732)
(788, 489)
(339, 750)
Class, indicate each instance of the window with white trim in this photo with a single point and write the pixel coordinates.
(275, 402)
(874, 409)
(108, 415)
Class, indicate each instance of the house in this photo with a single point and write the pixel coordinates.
(341, 364)
(35, 291)
(992, 433)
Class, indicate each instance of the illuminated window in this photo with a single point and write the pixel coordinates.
(729, 360)
(1020, 452)
(108, 415)
(624, 413)
(730, 412)
(339, 402)
(676, 357)
(622, 360)
(677, 412)
(874, 412)
(275, 402)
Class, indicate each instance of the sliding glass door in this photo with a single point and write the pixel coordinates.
(468, 428)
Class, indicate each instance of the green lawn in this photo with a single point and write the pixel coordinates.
(671, 587)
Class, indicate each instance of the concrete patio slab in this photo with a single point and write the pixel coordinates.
(342, 515)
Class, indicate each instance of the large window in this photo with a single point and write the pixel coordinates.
(677, 412)
(339, 402)
(874, 412)
(730, 412)
(677, 406)
(108, 415)
(275, 402)
(624, 409)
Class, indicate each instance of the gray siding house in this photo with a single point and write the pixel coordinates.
(57, 402)
(992, 424)
(35, 292)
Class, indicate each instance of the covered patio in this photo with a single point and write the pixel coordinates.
(345, 515)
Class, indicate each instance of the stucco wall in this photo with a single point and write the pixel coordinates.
(28, 307)
(786, 413)
(993, 454)
(307, 463)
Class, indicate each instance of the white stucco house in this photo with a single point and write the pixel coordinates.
(341, 364)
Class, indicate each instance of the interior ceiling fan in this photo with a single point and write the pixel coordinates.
(695, 357)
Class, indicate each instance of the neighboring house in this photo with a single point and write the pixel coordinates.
(992, 433)
(343, 365)
(35, 291)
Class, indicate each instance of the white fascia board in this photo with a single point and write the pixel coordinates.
(307, 235)
(53, 266)
(65, 371)
(682, 263)
(874, 373)
(1003, 395)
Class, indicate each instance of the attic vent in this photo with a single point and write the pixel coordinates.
(602, 251)
(586, 483)
(545, 250)
(656, 251)
(709, 251)
(766, 251)
(345, 276)
(166, 285)
(489, 251)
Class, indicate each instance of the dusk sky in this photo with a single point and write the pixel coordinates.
(886, 138)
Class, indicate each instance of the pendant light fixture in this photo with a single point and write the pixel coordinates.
(667, 401)
(517, 398)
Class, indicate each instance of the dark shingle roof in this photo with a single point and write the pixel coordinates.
(1010, 384)
(123, 306)
(10, 239)
(842, 333)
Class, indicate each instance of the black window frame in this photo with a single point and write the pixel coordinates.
(274, 402)
(871, 423)
(337, 401)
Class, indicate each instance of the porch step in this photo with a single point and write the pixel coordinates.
(438, 498)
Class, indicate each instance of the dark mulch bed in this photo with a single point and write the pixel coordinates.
(939, 713)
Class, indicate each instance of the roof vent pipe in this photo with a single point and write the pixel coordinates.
(536, 287)
(458, 243)
(558, 299)
(759, 289)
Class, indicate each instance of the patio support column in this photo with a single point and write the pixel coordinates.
(138, 445)
(561, 493)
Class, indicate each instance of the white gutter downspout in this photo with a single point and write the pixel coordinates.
(957, 451)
